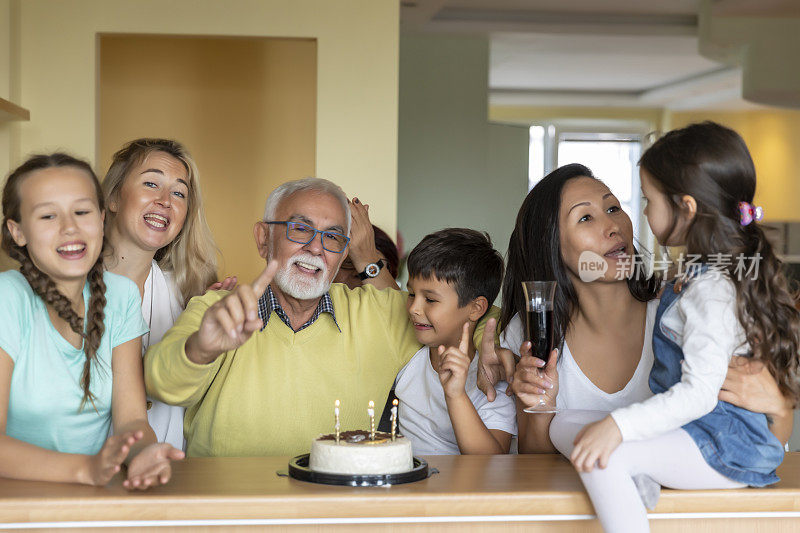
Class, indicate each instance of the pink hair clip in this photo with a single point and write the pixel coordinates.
(748, 213)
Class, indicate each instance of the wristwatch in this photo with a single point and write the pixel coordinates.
(372, 270)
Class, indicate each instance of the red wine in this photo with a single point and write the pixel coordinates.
(540, 332)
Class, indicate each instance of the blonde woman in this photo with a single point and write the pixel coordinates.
(159, 238)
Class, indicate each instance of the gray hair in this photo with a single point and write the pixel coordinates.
(306, 184)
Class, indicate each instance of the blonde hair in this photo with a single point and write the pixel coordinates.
(192, 256)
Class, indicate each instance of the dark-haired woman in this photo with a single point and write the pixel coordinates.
(70, 362)
(567, 214)
(605, 325)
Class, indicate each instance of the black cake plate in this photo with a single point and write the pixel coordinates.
(298, 469)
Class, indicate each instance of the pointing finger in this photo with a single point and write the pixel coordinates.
(264, 279)
(464, 344)
(487, 343)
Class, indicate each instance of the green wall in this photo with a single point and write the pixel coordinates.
(455, 169)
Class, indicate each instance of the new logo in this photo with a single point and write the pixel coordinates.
(591, 266)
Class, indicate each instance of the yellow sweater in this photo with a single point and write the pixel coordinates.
(275, 393)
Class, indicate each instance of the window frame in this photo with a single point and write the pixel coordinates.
(556, 131)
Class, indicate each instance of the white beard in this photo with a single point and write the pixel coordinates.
(295, 285)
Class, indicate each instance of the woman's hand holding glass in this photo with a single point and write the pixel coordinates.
(535, 381)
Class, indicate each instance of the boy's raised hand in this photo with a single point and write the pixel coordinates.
(228, 324)
(453, 366)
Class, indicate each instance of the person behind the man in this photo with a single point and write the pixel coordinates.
(454, 276)
(259, 368)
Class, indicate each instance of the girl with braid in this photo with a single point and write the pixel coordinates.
(70, 339)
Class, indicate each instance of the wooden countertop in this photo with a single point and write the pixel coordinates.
(249, 488)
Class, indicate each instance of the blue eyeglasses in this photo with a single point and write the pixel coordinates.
(303, 234)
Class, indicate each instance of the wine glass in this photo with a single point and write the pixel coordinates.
(539, 327)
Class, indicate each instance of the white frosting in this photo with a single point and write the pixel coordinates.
(387, 457)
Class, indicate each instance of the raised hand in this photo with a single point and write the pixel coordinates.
(361, 249)
(109, 459)
(152, 466)
(534, 380)
(495, 364)
(453, 366)
(228, 324)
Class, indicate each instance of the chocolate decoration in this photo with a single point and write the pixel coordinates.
(359, 436)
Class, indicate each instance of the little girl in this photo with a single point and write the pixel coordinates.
(70, 337)
(699, 183)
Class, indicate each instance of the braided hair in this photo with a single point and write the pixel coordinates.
(40, 282)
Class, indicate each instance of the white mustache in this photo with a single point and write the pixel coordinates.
(309, 259)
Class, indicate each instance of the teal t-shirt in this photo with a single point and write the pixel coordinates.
(45, 390)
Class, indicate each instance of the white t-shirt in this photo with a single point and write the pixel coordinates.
(575, 390)
(161, 306)
(423, 414)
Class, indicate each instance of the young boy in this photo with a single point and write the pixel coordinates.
(454, 276)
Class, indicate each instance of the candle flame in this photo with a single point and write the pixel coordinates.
(371, 404)
(336, 403)
(394, 402)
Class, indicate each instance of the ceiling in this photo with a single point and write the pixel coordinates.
(590, 52)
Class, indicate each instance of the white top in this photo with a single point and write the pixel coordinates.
(575, 390)
(423, 414)
(703, 322)
(161, 306)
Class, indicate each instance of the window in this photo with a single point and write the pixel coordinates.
(612, 153)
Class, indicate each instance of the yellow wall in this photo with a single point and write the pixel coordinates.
(773, 137)
(357, 54)
(245, 107)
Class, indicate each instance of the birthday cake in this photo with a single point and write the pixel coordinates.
(356, 453)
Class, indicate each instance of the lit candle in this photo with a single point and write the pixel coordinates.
(394, 418)
(336, 419)
(371, 413)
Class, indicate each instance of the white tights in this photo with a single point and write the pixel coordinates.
(672, 460)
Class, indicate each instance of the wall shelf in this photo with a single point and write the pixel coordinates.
(10, 111)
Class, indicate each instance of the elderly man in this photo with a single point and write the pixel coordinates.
(259, 368)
